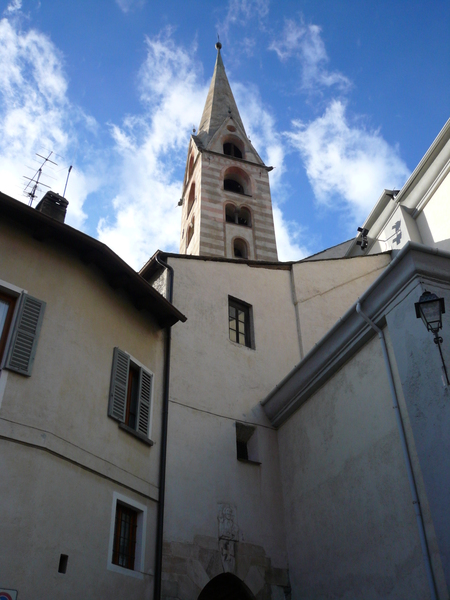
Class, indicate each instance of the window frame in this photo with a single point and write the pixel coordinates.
(247, 310)
(21, 332)
(5, 333)
(141, 529)
(120, 391)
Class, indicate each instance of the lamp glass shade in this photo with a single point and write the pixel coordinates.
(430, 309)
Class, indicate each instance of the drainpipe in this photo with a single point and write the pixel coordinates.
(163, 455)
(406, 456)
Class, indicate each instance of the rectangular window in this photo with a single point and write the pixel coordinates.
(130, 396)
(7, 304)
(21, 318)
(247, 443)
(125, 537)
(240, 322)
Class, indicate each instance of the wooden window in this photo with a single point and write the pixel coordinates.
(239, 322)
(124, 546)
(18, 345)
(7, 304)
(130, 394)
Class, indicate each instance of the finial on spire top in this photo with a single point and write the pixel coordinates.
(218, 44)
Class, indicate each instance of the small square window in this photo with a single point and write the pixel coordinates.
(246, 443)
(240, 322)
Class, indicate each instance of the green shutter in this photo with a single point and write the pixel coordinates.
(25, 335)
(145, 396)
(119, 385)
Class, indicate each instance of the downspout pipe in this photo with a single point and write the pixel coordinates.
(163, 452)
(406, 456)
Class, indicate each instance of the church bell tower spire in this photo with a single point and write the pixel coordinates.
(226, 203)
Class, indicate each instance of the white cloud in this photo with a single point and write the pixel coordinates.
(304, 42)
(241, 11)
(289, 236)
(347, 164)
(127, 5)
(261, 128)
(35, 114)
(13, 7)
(152, 149)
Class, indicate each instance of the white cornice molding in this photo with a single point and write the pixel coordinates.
(350, 333)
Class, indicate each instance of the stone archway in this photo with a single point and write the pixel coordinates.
(226, 587)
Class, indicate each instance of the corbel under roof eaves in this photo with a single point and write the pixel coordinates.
(350, 333)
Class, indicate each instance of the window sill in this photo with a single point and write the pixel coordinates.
(248, 461)
(136, 434)
(237, 343)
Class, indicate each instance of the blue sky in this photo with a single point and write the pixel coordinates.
(342, 98)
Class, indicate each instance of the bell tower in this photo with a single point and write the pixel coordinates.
(226, 203)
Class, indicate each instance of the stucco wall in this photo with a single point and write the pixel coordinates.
(63, 456)
(427, 401)
(214, 383)
(325, 290)
(351, 530)
(50, 507)
(434, 220)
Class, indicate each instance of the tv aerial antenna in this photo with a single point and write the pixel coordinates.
(34, 182)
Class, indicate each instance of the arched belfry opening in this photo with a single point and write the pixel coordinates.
(226, 586)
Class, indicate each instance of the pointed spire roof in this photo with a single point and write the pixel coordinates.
(220, 103)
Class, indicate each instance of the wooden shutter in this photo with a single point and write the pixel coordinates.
(145, 397)
(119, 385)
(22, 349)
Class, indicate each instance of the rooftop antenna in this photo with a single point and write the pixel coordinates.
(67, 180)
(33, 184)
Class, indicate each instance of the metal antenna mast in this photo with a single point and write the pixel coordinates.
(34, 181)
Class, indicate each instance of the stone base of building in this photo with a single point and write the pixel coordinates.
(188, 569)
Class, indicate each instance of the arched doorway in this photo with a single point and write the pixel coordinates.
(226, 587)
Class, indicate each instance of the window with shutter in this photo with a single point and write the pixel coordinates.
(20, 343)
(131, 394)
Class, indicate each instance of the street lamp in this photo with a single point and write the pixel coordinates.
(430, 309)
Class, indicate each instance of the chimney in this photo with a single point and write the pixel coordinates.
(53, 205)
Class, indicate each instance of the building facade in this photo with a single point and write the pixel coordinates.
(288, 440)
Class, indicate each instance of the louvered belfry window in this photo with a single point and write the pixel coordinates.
(24, 336)
(130, 393)
(125, 537)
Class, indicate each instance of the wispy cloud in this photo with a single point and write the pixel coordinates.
(262, 128)
(13, 7)
(240, 12)
(152, 149)
(304, 42)
(348, 165)
(129, 5)
(35, 114)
